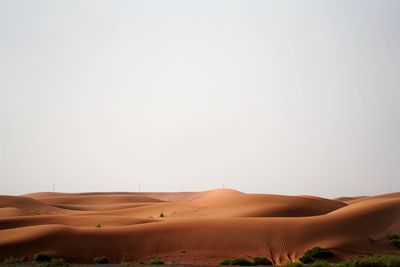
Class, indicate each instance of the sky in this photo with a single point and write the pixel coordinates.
(282, 97)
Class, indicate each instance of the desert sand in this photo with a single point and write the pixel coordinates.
(195, 228)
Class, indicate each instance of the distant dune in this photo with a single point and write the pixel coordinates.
(194, 227)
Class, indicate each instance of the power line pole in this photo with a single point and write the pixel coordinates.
(139, 188)
(54, 187)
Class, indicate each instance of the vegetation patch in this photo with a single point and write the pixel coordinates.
(260, 260)
(101, 260)
(316, 253)
(13, 260)
(156, 262)
(359, 261)
(395, 239)
(236, 261)
(43, 258)
(394, 236)
(241, 262)
(53, 263)
(225, 262)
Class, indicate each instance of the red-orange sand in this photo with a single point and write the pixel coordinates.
(199, 228)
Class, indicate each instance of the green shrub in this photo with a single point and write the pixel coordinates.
(98, 225)
(162, 214)
(236, 261)
(395, 242)
(316, 253)
(395, 239)
(156, 262)
(53, 263)
(358, 261)
(13, 260)
(394, 236)
(225, 262)
(101, 260)
(240, 261)
(260, 260)
(43, 258)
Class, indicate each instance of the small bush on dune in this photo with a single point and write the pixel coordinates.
(260, 260)
(394, 236)
(101, 260)
(236, 261)
(240, 261)
(395, 239)
(225, 262)
(54, 263)
(43, 258)
(156, 262)
(306, 259)
(395, 242)
(13, 260)
(316, 253)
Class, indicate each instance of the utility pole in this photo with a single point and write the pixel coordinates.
(54, 187)
(139, 188)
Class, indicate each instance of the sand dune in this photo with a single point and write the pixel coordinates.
(87, 221)
(202, 227)
(220, 203)
(365, 198)
(348, 200)
(16, 205)
(98, 199)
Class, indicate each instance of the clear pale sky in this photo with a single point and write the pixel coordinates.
(284, 97)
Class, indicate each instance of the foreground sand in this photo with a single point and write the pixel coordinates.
(197, 228)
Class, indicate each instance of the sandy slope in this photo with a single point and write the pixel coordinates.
(201, 227)
(14, 206)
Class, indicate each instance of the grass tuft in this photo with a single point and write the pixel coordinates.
(13, 260)
(316, 253)
(101, 260)
(260, 260)
(395, 239)
(156, 262)
(236, 261)
(53, 263)
(42, 257)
